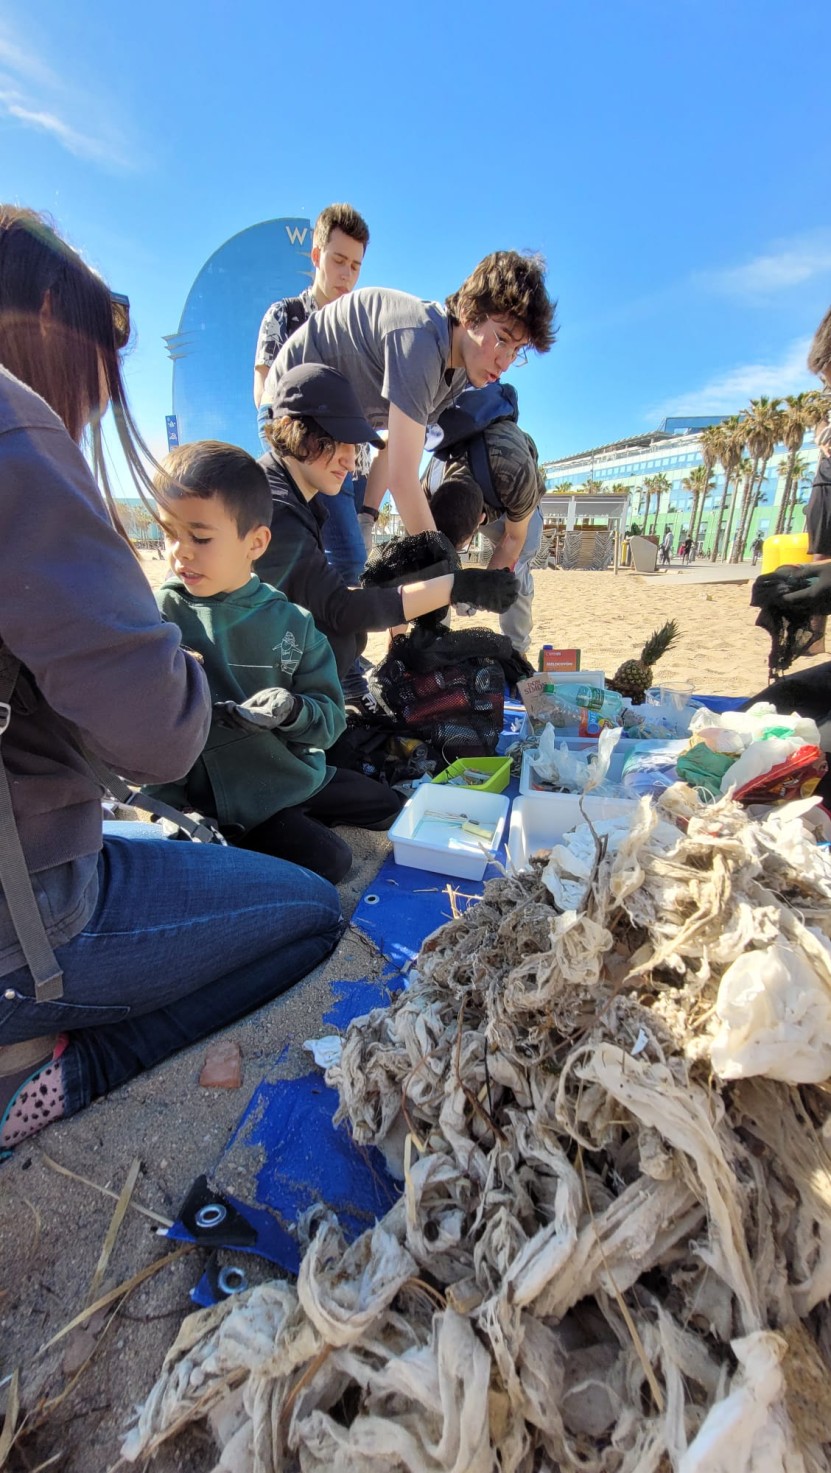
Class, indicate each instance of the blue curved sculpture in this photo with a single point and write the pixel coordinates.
(213, 351)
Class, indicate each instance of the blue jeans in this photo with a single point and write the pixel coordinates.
(342, 540)
(185, 939)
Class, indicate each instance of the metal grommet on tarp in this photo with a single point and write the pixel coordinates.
(232, 1279)
(371, 899)
(209, 1217)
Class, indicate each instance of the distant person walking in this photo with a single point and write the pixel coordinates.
(756, 549)
(665, 554)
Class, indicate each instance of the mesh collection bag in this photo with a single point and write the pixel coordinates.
(446, 687)
(449, 687)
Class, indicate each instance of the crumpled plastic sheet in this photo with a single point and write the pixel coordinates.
(612, 1252)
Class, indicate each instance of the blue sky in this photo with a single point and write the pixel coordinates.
(669, 159)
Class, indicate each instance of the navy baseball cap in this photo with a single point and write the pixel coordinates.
(324, 395)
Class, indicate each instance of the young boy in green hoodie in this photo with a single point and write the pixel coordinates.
(278, 704)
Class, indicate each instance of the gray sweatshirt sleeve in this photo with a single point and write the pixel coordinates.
(77, 611)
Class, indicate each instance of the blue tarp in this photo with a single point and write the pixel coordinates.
(286, 1131)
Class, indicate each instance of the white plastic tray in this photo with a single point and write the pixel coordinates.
(539, 820)
(425, 842)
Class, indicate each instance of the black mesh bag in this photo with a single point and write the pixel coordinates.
(410, 560)
(449, 688)
(790, 627)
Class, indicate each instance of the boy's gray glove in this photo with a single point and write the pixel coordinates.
(495, 590)
(265, 711)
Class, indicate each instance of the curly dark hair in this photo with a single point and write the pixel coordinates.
(299, 436)
(819, 355)
(508, 284)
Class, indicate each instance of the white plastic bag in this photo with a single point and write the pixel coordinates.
(774, 1011)
(575, 772)
(749, 1430)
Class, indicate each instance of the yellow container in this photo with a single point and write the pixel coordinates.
(786, 547)
(498, 770)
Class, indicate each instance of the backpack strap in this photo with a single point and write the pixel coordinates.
(296, 315)
(200, 830)
(14, 872)
(480, 467)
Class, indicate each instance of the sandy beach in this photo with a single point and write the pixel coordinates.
(609, 617)
(52, 1226)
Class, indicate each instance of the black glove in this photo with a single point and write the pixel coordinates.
(815, 594)
(265, 711)
(495, 590)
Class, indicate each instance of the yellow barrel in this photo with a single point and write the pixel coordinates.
(787, 547)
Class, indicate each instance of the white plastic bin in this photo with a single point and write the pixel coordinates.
(539, 820)
(424, 841)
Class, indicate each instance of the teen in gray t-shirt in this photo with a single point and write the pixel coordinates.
(408, 359)
(393, 349)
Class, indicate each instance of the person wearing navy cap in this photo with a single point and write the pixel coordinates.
(316, 423)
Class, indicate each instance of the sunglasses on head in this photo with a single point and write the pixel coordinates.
(121, 319)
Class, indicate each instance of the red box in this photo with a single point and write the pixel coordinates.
(552, 659)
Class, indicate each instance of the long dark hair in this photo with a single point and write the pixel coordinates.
(43, 281)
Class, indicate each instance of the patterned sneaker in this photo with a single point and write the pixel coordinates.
(31, 1088)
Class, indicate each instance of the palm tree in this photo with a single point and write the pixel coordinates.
(744, 477)
(802, 412)
(763, 428)
(729, 439)
(563, 488)
(801, 481)
(658, 484)
(619, 488)
(709, 445)
(699, 482)
(590, 488)
(792, 471)
(648, 488)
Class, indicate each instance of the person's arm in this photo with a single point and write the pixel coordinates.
(273, 333)
(296, 564)
(398, 466)
(423, 598)
(510, 545)
(78, 612)
(260, 375)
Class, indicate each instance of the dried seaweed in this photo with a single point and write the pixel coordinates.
(632, 1250)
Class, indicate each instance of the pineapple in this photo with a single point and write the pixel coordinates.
(634, 677)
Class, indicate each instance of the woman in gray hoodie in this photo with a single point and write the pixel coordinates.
(113, 952)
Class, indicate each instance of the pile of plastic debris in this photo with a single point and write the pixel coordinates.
(605, 1092)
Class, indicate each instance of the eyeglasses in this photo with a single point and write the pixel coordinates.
(516, 356)
(121, 319)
